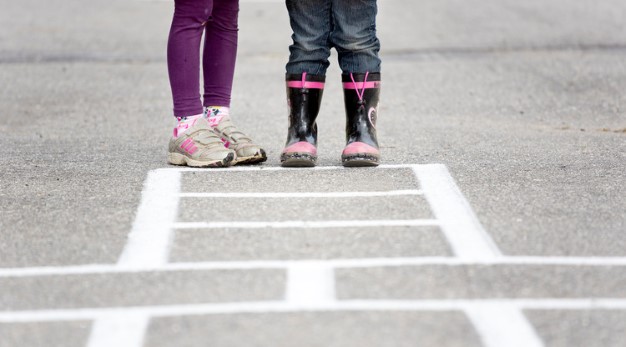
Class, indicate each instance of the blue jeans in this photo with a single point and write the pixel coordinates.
(319, 25)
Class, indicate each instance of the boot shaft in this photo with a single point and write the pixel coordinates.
(304, 97)
(361, 97)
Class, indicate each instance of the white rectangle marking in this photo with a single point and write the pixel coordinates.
(339, 305)
(283, 264)
(124, 329)
(305, 224)
(502, 325)
(150, 237)
(302, 194)
(310, 284)
(460, 225)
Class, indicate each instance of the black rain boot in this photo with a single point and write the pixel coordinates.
(361, 94)
(304, 96)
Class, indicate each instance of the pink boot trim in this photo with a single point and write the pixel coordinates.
(360, 148)
(301, 147)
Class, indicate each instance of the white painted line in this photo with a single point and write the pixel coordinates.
(279, 168)
(340, 305)
(150, 238)
(334, 263)
(302, 194)
(460, 225)
(126, 329)
(502, 325)
(305, 224)
(464, 304)
(310, 284)
(255, 168)
(469, 240)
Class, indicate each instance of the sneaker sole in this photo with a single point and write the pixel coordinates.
(179, 159)
(360, 160)
(298, 160)
(255, 159)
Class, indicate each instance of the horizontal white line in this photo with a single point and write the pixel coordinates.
(283, 306)
(302, 194)
(284, 264)
(280, 168)
(305, 224)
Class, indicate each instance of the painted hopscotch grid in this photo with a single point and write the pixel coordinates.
(310, 283)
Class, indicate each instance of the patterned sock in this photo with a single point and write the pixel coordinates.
(185, 123)
(214, 114)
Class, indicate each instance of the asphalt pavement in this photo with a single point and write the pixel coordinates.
(498, 218)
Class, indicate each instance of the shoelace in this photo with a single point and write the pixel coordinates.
(356, 88)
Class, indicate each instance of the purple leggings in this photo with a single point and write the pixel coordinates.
(218, 20)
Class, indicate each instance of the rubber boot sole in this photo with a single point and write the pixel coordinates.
(298, 160)
(360, 160)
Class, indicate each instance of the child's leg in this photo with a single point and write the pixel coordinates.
(194, 143)
(218, 66)
(183, 54)
(311, 24)
(354, 37)
(361, 94)
(220, 53)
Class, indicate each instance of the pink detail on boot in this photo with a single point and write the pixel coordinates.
(361, 85)
(359, 148)
(372, 116)
(301, 147)
(305, 84)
